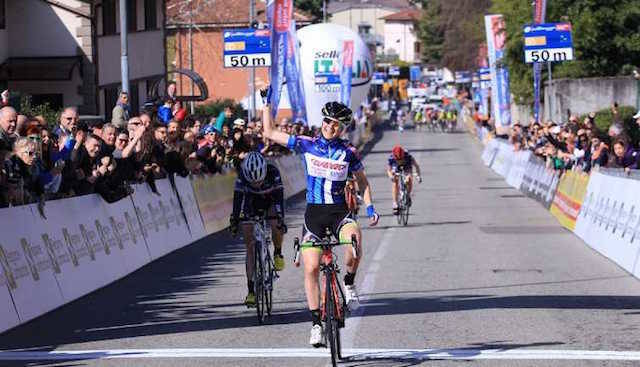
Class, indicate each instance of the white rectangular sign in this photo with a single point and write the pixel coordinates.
(548, 55)
(247, 61)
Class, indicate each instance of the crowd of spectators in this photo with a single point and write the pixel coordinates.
(577, 144)
(43, 160)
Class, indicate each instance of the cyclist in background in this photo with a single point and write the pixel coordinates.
(258, 189)
(328, 162)
(401, 159)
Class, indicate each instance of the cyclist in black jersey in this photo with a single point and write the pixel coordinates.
(258, 189)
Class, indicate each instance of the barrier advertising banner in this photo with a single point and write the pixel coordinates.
(609, 220)
(163, 225)
(567, 201)
(190, 206)
(490, 151)
(500, 96)
(214, 195)
(518, 167)
(27, 266)
(504, 157)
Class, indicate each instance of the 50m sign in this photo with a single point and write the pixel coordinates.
(247, 61)
(548, 55)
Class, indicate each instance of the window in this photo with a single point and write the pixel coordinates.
(132, 16)
(416, 47)
(108, 17)
(150, 14)
(2, 14)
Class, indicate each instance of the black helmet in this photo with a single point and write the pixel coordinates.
(338, 112)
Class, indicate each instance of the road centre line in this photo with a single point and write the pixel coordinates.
(360, 354)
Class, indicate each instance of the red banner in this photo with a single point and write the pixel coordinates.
(282, 16)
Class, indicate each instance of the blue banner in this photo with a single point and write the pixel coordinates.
(500, 97)
(539, 15)
(295, 85)
(280, 22)
(346, 70)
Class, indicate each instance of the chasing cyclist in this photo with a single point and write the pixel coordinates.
(258, 189)
(401, 159)
(328, 162)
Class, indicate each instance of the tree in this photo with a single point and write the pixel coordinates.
(313, 7)
(431, 32)
(451, 30)
(606, 38)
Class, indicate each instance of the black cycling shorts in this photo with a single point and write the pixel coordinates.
(253, 205)
(319, 217)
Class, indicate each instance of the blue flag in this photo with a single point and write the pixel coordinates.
(280, 14)
(295, 85)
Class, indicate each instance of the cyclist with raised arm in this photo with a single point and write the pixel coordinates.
(258, 189)
(400, 159)
(328, 162)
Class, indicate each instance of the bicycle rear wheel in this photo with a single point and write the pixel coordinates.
(259, 284)
(331, 324)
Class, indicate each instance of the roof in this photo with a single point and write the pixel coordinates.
(342, 5)
(405, 15)
(220, 12)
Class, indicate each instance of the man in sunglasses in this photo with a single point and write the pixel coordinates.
(328, 162)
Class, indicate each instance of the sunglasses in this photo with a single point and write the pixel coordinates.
(123, 140)
(331, 122)
(30, 153)
(70, 118)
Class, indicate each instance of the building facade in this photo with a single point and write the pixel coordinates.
(366, 18)
(195, 32)
(400, 35)
(67, 52)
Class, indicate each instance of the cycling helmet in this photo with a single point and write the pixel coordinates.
(337, 111)
(254, 167)
(398, 153)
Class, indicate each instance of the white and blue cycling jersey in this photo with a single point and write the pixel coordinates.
(328, 163)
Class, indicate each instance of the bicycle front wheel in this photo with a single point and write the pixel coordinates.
(259, 284)
(330, 321)
(268, 289)
(405, 215)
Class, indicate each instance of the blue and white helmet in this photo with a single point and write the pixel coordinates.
(254, 167)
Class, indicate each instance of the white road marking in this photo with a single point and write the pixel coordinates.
(353, 320)
(361, 354)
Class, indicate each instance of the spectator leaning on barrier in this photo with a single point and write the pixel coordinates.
(121, 111)
(26, 178)
(8, 121)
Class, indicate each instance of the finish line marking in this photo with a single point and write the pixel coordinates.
(359, 354)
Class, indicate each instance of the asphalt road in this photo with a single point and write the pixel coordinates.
(481, 276)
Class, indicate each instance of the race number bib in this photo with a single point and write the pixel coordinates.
(330, 169)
